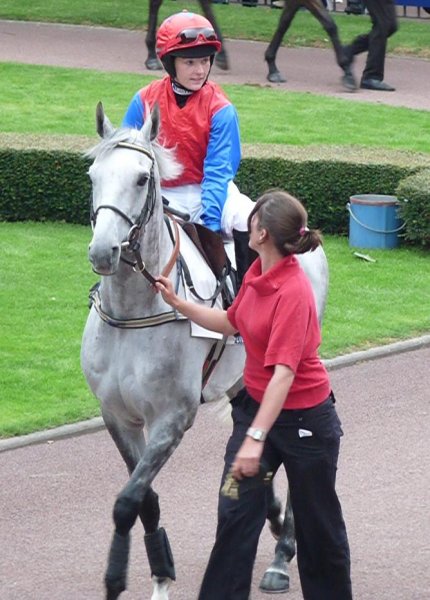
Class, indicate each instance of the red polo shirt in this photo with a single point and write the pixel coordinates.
(276, 315)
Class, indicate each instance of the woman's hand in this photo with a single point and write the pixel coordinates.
(205, 316)
(165, 287)
(247, 460)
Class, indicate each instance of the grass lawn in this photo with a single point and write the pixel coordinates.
(288, 118)
(45, 278)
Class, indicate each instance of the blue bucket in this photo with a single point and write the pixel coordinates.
(374, 221)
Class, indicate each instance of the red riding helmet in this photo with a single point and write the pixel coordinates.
(188, 35)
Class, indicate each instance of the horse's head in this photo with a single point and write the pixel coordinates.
(125, 178)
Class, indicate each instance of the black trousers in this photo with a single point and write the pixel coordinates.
(306, 442)
(384, 24)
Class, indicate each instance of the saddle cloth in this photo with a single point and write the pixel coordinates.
(204, 282)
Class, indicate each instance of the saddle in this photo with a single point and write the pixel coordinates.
(209, 243)
(210, 246)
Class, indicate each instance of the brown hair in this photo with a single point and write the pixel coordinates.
(285, 219)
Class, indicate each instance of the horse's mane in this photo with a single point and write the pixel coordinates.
(168, 166)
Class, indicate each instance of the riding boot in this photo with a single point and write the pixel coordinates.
(244, 255)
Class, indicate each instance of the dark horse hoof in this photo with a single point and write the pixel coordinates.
(275, 582)
(348, 80)
(153, 64)
(276, 77)
(115, 589)
(221, 61)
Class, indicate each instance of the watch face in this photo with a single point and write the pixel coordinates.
(257, 434)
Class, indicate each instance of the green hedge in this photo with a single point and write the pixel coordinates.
(43, 186)
(414, 192)
(52, 184)
(324, 187)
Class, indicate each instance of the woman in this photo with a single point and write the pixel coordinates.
(285, 414)
(199, 121)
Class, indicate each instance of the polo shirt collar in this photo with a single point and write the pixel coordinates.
(269, 282)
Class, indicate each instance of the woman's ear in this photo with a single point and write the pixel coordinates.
(262, 236)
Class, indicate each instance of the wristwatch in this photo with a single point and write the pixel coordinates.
(259, 435)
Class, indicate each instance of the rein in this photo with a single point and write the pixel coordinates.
(140, 265)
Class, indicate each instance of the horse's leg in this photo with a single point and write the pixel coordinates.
(287, 15)
(131, 444)
(132, 501)
(221, 59)
(274, 512)
(317, 9)
(157, 546)
(156, 542)
(276, 578)
(152, 63)
(323, 16)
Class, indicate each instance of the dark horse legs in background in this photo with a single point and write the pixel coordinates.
(318, 10)
(152, 63)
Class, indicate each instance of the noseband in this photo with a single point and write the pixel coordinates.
(131, 243)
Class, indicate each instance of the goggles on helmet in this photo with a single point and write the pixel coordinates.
(194, 33)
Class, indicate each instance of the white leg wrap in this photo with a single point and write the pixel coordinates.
(161, 588)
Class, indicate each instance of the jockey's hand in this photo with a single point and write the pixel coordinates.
(247, 460)
(165, 287)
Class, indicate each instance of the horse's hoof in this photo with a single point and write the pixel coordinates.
(113, 592)
(275, 581)
(348, 81)
(276, 77)
(222, 61)
(153, 64)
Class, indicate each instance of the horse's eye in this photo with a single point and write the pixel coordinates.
(142, 180)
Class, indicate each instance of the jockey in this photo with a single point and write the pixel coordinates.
(199, 121)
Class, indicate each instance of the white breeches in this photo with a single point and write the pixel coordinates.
(187, 198)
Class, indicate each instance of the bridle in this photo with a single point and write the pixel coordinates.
(132, 244)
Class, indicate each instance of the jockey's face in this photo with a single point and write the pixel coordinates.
(192, 73)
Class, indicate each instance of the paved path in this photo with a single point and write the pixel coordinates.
(307, 69)
(56, 498)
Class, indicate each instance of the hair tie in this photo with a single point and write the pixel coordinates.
(303, 230)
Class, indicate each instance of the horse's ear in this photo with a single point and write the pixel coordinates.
(104, 126)
(151, 124)
(155, 118)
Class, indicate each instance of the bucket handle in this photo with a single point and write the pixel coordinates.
(370, 228)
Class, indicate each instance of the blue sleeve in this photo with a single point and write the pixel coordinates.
(133, 118)
(220, 165)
